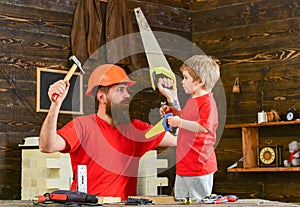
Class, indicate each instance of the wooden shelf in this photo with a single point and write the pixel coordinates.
(264, 124)
(250, 143)
(265, 169)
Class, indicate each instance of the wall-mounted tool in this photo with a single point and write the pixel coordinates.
(70, 73)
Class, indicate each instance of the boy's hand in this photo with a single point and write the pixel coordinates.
(174, 121)
(165, 87)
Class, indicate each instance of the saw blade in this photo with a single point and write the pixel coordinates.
(156, 129)
(159, 127)
(155, 56)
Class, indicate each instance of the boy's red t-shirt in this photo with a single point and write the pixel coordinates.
(111, 154)
(195, 155)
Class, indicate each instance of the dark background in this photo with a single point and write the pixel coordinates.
(257, 41)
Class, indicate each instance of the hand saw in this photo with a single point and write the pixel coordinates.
(157, 62)
(158, 66)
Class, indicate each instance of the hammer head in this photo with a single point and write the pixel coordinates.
(77, 62)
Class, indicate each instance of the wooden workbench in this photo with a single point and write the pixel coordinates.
(239, 203)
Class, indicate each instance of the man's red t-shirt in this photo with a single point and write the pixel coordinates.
(195, 155)
(111, 154)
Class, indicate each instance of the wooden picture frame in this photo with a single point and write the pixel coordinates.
(73, 103)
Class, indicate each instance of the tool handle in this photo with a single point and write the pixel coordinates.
(165, 122)
(54, 96)
(167, 126)
(161, 72)
(70, 73)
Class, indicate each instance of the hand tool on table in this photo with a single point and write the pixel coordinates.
(138, 201)
(157, 62)
(68, 196)
(70, 73)
(219, 199)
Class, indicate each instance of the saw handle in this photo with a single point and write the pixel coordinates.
(167, 126)
(165, 122)
(55, 96)
(161, 72)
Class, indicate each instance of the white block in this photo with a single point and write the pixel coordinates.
(58, 183)
(147, 172)
(52, 163)
(161, 163)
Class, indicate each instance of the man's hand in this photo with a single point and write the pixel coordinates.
(164, 109)
(60, 88)
(49, 140)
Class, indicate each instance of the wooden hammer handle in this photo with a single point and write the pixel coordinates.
(70, 73)
(67, 78)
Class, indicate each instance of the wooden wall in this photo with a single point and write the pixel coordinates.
(33, 34)
(36, 33)
(257, 41)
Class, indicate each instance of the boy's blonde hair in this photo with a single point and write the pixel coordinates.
(203, 67)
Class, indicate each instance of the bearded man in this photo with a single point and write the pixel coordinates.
(108, 142)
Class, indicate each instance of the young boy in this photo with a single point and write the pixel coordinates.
(196, 160)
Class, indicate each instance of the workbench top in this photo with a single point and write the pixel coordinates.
(239, 203)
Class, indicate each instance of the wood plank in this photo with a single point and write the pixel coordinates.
(157, 199)
(261, 50)
(241, 202)
(27, 62)
(154, 15)
(250, 141)
(41, 45)
(35, 20)
(25, 119)
(203, 5)
(264, 33)
(10, 160)
(245, 118)
(65, 6)
(258, 185)
(264, 124)
(185, 4)
(240, 14)
(265, 169)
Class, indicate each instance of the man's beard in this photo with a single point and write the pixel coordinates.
(118, 112)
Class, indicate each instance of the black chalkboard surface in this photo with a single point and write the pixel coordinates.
(73, 103)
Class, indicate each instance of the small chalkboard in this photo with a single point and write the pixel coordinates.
(73, 103)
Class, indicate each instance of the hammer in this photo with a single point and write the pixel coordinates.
(70, 73)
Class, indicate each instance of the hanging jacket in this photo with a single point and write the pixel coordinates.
(87, 32)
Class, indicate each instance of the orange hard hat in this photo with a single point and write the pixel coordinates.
(105, 75)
